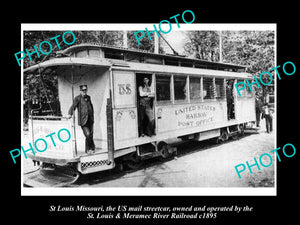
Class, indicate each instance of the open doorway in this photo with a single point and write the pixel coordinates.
(230, 99)
(145, 97)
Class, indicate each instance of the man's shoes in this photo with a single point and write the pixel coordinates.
(89, 152)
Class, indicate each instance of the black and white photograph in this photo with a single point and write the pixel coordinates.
(145, 113)
(152, 109)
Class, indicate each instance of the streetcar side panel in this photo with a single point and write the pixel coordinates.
(245, 109)
(125, 119)
(56, 151)
(190, 118)
(174, 118)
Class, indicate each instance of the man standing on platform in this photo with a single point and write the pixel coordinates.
(85, 109)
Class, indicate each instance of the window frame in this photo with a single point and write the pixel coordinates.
(213, 86)
(200, 91)
(242, 92)
(214, 81)
(186, 100)
(223, 85)
(248, 93)
(161, 102)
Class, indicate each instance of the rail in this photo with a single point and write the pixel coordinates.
(50, 117)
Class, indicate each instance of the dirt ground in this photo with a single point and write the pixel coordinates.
(201, 165)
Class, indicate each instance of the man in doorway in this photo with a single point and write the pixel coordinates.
(147, 121)
(85, 109)
(230, 99)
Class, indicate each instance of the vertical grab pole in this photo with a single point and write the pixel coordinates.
(110, 130)
(73, 120)
(220, 47)
(109, 123)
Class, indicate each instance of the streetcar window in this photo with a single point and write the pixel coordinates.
(242, 92)
(220, 88)
(111, 54)
(208, 88)
(81, 54)
(195, 85)
(186, 63)
(171, 62)
(180, 91)
(248, 92)
(163, 92)
(94, 53)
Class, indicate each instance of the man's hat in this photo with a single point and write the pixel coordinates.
(82, 87)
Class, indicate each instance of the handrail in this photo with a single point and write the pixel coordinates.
(50, 117)
(31, 111)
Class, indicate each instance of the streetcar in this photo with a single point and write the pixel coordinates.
(194, 100)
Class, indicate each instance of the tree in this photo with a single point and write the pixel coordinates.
(203, 45)
(33, 38)
(100, 37)
(254, 49)
(146, 43)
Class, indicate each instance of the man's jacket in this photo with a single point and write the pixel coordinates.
(82, 104)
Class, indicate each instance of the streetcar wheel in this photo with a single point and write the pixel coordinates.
(133, 165)
(242, 129)
(119, 167)
(224, 136)
(133, 161)
(164, 150)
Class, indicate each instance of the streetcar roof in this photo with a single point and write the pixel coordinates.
(212, 69)
(123, 51)
(68, 62)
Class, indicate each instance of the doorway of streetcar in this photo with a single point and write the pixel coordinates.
(145, 93)
(230, 99)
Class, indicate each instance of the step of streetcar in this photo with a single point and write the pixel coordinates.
(150, 155)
